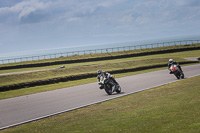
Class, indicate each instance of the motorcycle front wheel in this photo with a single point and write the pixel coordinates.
(108, 89)
(177, 75)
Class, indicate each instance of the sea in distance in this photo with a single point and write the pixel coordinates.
(30, 54)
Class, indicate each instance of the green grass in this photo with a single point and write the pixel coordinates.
(170, 108)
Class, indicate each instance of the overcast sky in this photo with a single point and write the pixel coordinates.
(43, 24)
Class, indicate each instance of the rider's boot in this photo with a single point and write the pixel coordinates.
(101, 87)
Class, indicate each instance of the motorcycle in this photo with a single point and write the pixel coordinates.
(109, 85)
(176, 71)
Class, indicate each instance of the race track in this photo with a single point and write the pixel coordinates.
(19, 110)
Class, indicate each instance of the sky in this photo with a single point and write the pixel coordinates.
(45, 24)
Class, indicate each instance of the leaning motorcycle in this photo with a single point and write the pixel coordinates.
(176, 71)
(109, 85)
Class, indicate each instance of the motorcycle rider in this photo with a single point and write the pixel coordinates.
(105, 74)
(171, 61)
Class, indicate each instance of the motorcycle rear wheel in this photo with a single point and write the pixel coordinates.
(182, 76)
(118, 89)
(177, 75)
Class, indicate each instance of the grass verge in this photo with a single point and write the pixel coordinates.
(169, 108)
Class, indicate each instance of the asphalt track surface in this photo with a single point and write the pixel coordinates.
(23, 109)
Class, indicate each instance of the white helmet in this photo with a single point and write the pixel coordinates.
(171, 60)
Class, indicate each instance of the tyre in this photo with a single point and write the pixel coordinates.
(118, 89)
(177, 75)
(182, 76)
(108, 89)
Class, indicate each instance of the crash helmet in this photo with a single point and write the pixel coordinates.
(99, 71)
(171, 60)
